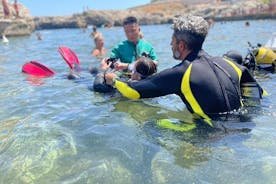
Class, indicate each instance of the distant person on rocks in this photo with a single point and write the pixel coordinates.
(6, 9)
(211, 22)
(16, 8)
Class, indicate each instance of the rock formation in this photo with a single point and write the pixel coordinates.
(13, 26)
(163, 11)
(156, 12)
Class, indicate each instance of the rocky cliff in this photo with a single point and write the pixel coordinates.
(16, 26)
(156, 12)
(163, 11)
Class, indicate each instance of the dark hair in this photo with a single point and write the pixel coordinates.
(194, 41)
(145, 66)
(192, 30)
(130, 20)
(94, 28)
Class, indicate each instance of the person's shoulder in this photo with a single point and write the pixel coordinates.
(225, 62)
(145, 43)
(124, 43)
(96, 34)
(95, 52)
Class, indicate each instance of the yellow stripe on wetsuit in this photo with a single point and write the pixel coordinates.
(125, 90)
(187, 92)
(239, 72)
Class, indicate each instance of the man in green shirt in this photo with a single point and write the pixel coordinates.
(125, 54)
(131, 49)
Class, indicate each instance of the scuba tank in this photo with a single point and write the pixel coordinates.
(265, 55)
(260, 57)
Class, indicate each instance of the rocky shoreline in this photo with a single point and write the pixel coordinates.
(157, 12)
(16, 26)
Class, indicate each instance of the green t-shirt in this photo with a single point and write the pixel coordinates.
(128, 52)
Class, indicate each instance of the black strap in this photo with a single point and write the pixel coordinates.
(229, 76)
(222, 86)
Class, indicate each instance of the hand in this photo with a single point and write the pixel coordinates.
(109, 78)
(120, 66)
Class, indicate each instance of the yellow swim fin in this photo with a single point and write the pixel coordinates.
(169, 124)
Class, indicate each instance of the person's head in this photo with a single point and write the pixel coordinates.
(94, 29)
(189, 35)
(99, 41)
(39, 36)
(132, 29)
(143, 68)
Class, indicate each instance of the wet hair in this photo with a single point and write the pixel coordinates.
(145, 67)
(191, 29)
(130, 20)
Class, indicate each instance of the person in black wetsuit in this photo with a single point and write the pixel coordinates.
(208, 85)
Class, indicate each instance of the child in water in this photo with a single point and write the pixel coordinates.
(142, 68)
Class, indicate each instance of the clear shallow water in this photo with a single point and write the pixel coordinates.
(53, 130)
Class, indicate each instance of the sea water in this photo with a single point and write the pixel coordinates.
(54, 130)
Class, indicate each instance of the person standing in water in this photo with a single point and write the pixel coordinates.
(99, 50)
(94, 33)
(39, 36)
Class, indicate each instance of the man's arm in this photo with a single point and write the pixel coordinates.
(163, 83)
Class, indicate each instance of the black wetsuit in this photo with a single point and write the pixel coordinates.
(207, 85)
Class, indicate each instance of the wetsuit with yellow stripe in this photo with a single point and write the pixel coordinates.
(207, 85)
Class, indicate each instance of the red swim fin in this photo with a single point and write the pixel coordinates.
(69, 56)
(37, 69)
